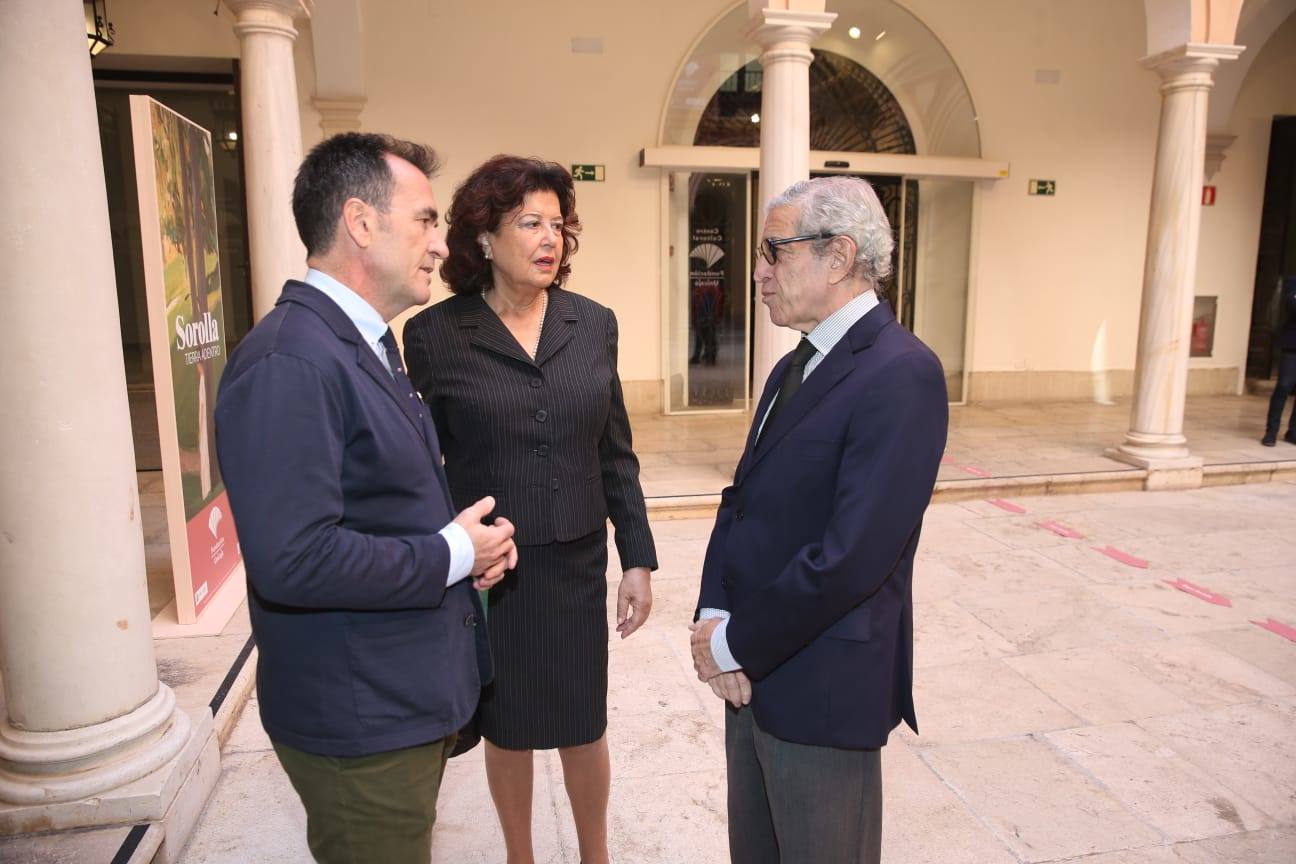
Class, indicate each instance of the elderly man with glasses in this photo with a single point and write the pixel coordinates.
(805, 617)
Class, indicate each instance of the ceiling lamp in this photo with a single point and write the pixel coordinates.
(99, 30)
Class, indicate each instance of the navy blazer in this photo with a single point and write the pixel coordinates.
(813, 546)
(336, 484)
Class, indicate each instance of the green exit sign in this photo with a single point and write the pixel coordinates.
(588, 172)
(1042, 187)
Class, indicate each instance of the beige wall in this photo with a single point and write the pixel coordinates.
(1230, 231)
(1056, 282)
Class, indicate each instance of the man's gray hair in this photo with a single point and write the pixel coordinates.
(845, 206)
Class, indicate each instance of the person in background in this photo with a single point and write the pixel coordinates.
(1286, 371)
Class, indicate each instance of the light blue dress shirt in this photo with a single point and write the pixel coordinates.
(824, 337)
(372, 328)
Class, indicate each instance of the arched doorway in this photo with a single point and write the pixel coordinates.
(887, 102)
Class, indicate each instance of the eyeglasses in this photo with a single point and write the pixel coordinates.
(768, 248)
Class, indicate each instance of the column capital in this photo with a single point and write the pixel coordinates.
(339, 114)
(1192, 64)
(269, 16)
(788, 29)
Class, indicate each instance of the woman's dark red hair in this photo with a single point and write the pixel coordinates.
(495, 189)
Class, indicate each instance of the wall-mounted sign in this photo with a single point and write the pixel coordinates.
(1042, 187)
(1208, 196)
(587, 172)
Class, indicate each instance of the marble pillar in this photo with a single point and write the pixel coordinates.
(271, 140)
(1155, 440)
(83, 711)
(784, 36)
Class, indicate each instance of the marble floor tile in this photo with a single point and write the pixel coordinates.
(647, 745)
(642, 830)
(1248, 748)
(984, 699)
(945, 633)
(1156, 784)
(1202, 674)
(254, 808)
(1096, 685)
(1059, 618)
(1262, 649)
(1036, 801)
(924, 822)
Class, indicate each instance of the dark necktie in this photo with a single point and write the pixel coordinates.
(791, 380)
(403, 383)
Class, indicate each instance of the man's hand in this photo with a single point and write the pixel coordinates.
(634, 600)
(700, 643)
(493, 549)
(733, 687)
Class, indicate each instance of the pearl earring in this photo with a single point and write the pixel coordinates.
(486, 251)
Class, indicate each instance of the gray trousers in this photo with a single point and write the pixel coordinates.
(797, 803)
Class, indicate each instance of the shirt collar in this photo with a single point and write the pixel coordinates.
(366, 318)
(830, 331)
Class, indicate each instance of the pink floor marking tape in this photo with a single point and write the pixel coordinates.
(972, 469)
(1122, 557)
(1198, 591)
(1006, 505)
(1275, 626)
(1061, 530)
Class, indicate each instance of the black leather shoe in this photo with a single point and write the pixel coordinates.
(1270, 439)
(1290, 437)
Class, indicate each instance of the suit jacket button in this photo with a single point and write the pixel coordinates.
(554, 485)
(536, 382)
(542, 451)
(470, 620)
(739, 516)
(541, 416)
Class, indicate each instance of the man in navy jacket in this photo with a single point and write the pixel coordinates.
(805, 613)
(367, 625)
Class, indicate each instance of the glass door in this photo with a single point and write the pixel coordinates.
(709, 291)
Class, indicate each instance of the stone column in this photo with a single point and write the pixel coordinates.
(1155, 439)
(784, 36)
(271, 141)
(83, 711)
(338, 115)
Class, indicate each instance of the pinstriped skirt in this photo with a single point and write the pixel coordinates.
(549, 635)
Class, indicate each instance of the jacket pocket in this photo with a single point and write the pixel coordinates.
(854, 626)
(398, 664)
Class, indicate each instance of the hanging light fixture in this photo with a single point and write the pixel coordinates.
(99, 30)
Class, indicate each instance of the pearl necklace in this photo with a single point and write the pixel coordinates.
(544, 307)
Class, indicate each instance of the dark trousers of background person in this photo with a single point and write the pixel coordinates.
(1282, 391)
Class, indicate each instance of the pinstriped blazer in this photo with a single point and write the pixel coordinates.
(549, 438)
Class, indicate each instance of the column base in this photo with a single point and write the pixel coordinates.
(174, 795)
(1168, 468)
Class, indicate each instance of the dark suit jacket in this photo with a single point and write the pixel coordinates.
(549, 438)
(336, 485)
(814, 542)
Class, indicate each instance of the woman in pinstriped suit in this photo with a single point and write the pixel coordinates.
(521, 379)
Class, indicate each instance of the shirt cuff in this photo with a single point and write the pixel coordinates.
(708, 612)
(720, 648)
(461, 552)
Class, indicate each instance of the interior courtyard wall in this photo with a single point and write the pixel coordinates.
(1230, 230)
(1053, 279)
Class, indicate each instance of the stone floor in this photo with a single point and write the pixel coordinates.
(1073, 706)
(695, 455)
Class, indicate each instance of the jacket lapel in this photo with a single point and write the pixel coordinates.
(839, 363)
(559, 325)
(489, 332)
(344, 328)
